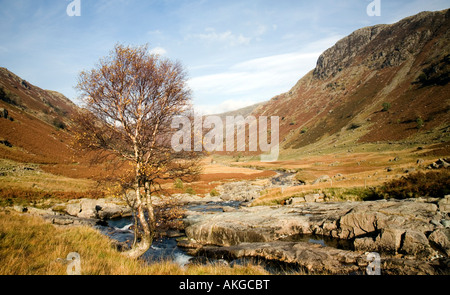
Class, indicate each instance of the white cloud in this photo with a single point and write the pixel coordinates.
(154, 32)
(255, 80)
(267, 74)
(261, 30)
(158, 51)
(226, 37)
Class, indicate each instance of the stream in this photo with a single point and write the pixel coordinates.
(166, 248)
(163, 248)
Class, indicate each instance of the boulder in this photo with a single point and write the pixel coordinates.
(440, 163)
(316, 259)
(73, 209)
(296, 201)
(88, 208)
(440, 239)
(356, 223)
(389, 240)
(416, 243)
(444, 204)
(323, 178)
(3, 113)
(94, 209)
(239, 191)
(384, 226)
(311, 198)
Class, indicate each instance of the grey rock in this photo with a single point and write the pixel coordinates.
(440, 238)
(440, 163)
(3, 113)
(386, 220)
(389, 240)
(95, 209)
(444, 204)
(296, 201)
(65, 220)
(310, 198)
(323, 178)
(73, 209)
(317, 259)
(445, 223)
(416, 243)
(239, 191)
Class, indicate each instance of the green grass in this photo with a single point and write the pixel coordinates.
(178, 183)
(350, 194)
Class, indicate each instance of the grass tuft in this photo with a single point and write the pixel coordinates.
(30, 246)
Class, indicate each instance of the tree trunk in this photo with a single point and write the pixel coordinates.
(141, 246)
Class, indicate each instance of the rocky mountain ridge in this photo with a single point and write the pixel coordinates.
(380, 83)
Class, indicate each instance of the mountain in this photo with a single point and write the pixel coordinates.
(380, 83)
(35, 128)
(244, 112)
(36, 122)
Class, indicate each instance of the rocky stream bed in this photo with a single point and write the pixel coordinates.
(315, 237)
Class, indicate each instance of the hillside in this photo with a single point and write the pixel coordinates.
(244, 112)
(383, 83)
(37, 153)
(36, 130)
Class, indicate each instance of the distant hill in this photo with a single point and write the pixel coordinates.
(380, 83)
(244, 112)
(36, 129)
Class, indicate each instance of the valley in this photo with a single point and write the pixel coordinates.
(364, 162)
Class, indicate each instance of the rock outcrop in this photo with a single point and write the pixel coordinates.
(343, 53)
(316, 259)
(343, 95)
(239, 191)
(409, 227)
(95, 209)
(88, 212)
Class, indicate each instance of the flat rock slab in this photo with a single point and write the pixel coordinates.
(316, 259)
(400, 221)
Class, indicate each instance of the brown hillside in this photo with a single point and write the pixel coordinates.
(36, 129)
(39, 119)
(381, 83)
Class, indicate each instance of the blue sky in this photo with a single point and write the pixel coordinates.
(236, 52)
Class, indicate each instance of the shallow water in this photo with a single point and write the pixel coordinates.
(213, 206)
(166, 248)
(321, 240)
(163, 248)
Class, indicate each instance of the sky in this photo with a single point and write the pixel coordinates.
(236, 52)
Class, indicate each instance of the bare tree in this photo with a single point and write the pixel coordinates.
(130, 99)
